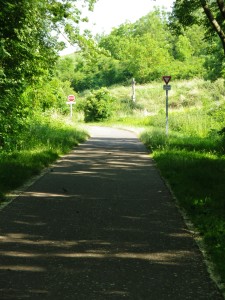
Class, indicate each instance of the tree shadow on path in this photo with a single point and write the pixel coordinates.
(100, 225)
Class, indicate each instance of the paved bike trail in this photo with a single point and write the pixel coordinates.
(101, 224)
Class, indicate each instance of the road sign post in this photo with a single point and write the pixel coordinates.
(167, 112)
(71, 101)
(167, 87)
(133, 90)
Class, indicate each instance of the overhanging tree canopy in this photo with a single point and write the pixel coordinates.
(211, 13)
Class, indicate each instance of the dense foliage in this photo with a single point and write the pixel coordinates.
(98, 106)
(209, 13)
(28, 52)
(211, 16)
(145, 50)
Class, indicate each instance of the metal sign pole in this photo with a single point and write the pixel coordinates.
(71, 101)
(167, 114)
(167, 88)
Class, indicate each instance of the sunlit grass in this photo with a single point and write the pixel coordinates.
(194, 167)
(45, 140)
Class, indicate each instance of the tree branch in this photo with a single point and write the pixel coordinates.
(213, 21)
(221, 6)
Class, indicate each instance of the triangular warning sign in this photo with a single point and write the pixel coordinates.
(166, 79)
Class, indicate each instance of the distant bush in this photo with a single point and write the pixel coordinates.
(98, 106)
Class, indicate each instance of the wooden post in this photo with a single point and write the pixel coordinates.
(133, 90)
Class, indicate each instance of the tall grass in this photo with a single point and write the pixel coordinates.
(191, 98)
(193, 163)
(47, 137)
(194, 168)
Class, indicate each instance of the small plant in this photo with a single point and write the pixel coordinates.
(98, 106)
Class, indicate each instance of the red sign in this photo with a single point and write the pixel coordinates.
(166, 79)
(71, 98)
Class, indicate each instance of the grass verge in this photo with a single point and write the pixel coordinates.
(194, 168)
(47, 138)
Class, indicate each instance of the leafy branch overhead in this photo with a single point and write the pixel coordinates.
(209, 13)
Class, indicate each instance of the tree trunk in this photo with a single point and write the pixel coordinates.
(213, 21)
(221, 5)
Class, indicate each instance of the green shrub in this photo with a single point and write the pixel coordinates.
(98, 106)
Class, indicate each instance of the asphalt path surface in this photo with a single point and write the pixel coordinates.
(101, 224)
